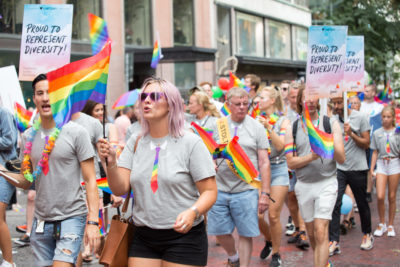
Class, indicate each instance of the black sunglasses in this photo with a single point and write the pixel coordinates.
(284, 88)
(154, 96)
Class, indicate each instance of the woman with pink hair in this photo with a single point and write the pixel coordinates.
(172, 176)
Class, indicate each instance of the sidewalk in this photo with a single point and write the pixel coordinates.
(386, 251)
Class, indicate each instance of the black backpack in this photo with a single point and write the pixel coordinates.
(326, 123)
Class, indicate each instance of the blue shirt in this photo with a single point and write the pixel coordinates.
(8, 136)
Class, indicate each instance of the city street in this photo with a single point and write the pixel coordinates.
(386, 251)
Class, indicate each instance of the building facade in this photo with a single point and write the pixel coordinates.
(201, 40)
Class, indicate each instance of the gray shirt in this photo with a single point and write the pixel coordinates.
(277, 156)
(252, 137)
(206, 122)
(292, 115)
(182, 162)
(378, 142)
(59, 194)
(355, 156)
(133, 129)
(317, 169)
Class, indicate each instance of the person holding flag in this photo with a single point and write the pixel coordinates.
(316, 145)
(60, 215)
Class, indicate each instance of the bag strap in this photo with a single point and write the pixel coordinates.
(327, 124)
(126, 202)
(294, 132)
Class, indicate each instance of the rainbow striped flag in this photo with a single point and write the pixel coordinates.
(73, 84)
(273, 118)
(321, 142)
(102, 229)
(225, 109)
(383, 97)
(255, 112)
(241, 162)
(206, 136)
(98, 33)
(22, 117)
(157, 56)
(234, 81)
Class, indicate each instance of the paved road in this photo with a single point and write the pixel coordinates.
(386, 251)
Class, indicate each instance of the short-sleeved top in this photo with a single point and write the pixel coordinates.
(95, 131)
(252, 137)
(379, 139)
(292, 115)
(59, 194)
(133, 129)
(277, 156)
(318, 169)
(371, 109)
(182, 162)
(355, 155)
(206, 122)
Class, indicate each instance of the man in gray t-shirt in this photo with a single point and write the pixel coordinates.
(60, 208)
(316, 187)
(352, 172)
(236, 204)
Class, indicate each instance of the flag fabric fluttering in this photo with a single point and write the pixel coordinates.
(22, 117)
(98, 33)
(206, 136)
(102, 229)
(225, 109)
(384, 96)
(255, 111)
(321, 142)
(73, 84)
(234, 81)
(157, 55)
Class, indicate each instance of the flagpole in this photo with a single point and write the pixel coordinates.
(159, 48)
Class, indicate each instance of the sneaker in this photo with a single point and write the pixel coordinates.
(7, 264)
(343, 229)
(21, 228)
(23, 240)
(391, 231)
(276, 260)
(302, 241)
(380, 230)
(289, 222)
(233, 263)
(355, 208)
(291, 230)
(266, 251)
(367, 242)
(369, 197)
(293, 238)
(334, 248)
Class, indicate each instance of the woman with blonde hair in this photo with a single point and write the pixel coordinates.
(204, 113)
(386, 145)
(271, 117)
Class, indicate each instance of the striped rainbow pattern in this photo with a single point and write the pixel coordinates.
(273, 118)
(156, 55)
(387, 144)
(290, 148)
(225, 109)
(255, 112)
(245, 168)
(321, 142)
(154, 174)
(206, 137)
(102, 229)
(73, 84)
(102, 184)
(98, 33)
(234, 81)
(22, 117)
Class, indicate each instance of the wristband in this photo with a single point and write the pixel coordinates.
(194, 208)
(268, 195)
(93, 223)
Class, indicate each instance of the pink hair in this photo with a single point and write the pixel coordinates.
(176, 119)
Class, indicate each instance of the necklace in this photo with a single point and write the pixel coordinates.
(43, 164)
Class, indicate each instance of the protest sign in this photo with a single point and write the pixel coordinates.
(325, 61)
(46, 39)
(354, 68)
(10, 89)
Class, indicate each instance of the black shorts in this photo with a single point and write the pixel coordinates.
(168, 245)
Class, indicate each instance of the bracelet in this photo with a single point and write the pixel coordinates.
(194, 208)
(266, 194)
(93, 223)
(112, 167)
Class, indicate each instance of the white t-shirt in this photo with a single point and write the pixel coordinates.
(371, 109)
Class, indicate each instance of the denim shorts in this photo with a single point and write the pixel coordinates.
(279, 174)
(47, 249)
(6, 191)
(234, 209)
(292, 180)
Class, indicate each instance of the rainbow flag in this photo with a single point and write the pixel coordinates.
(241, 162)
(157, 56)
(234, 81)
(206, 136)
(225, 109)
(102, 184)
(321, 142)
(255, 112)
(98, 33)
(273, 118)
(73, 84)
(102, 229)
(22, 117)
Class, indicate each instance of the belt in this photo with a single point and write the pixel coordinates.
(276, 162)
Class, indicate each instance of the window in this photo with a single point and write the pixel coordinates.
(185, 75)
(138, 22)
(80, 23)
(183, 22)
(278, 40)
(304, 3)
(224, 35)
(300, 43)
(249, 35)
(12, 14)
